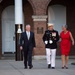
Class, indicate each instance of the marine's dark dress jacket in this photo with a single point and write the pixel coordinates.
(51, 35)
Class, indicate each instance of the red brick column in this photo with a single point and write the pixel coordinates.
(39, 6)
(39, 21)
(39, 29)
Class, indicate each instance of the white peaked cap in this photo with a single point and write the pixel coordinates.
(50, 24)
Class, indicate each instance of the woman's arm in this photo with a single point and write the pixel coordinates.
(72, 39)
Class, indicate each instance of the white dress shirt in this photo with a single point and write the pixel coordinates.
(28, 34)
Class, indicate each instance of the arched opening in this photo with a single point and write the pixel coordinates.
(56, 12)
(57, 16)
(8, 30)
(63, 11)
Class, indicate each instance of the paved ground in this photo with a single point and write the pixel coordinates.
(12, 67)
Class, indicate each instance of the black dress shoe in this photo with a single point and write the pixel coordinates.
(25, 67)
(49, 66)
(30, 67)
(53, 67)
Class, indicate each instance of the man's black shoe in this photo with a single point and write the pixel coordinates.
(49, 66)
(53, 67)
(25, 67)
(30, 67)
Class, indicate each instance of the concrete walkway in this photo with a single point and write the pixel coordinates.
(12, 67)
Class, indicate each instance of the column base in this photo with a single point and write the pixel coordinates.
(19, 53)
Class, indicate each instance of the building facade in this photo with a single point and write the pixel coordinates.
(37, 13)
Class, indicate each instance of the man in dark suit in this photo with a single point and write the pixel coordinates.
(27, 44)
(50, 39)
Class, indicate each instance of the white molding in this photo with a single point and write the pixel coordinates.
(39, 57)
(39, 17)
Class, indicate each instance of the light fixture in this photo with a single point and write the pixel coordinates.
(19, 29)
(1, 1)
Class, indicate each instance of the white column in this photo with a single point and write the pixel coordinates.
(18, 12)
(18, 27)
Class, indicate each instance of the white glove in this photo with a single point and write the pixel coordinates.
(50, 41)
(46, 42)
(21, 48)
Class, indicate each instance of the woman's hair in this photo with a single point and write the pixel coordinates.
(65, 26)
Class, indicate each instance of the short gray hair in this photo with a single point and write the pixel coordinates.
(28, 25)
(65, 26)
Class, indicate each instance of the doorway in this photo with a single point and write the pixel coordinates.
(8, 30)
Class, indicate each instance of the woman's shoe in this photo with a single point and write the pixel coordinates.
(63, 67)
(66, 67)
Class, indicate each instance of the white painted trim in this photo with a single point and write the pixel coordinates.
(39, 57)
(39, 18)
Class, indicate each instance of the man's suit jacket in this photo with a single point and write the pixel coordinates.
(25, 42)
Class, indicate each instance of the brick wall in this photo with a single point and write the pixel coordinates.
(39, 6)
(28, 12)
(71, 24)
(40, 48)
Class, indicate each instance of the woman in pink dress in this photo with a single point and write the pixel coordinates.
(65, 45)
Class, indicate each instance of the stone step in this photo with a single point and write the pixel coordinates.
(8, 56)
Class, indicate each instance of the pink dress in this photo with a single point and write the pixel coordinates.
(65, 43)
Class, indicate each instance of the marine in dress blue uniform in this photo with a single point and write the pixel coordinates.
(50, 39)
